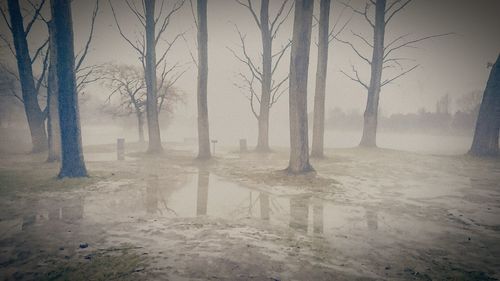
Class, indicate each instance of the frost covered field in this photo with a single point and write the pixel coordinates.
(369, 214)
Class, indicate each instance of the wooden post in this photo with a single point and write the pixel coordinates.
(213, 145)
(120, 149)
(243, 145)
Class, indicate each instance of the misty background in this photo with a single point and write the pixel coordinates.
(452, 70)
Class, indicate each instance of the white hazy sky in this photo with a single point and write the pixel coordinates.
(455, 64)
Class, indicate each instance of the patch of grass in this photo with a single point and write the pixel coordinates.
(26, 180)
(108, 264)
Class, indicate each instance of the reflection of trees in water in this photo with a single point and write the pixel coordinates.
(299, 213)
(159, 190)
(318, 217)
(69, 210)
(202, 194)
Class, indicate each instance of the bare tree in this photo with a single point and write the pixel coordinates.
(485, 142)
(30, 85)
(271, 89)
(127, 82)
(202, 95)
(84, 75)
(72, 164)
(325, 36)
(299, 66)
(382, 57)
(146, 46)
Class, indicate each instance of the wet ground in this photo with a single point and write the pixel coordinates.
(366, 215)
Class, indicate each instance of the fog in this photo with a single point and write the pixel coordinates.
(402, 184)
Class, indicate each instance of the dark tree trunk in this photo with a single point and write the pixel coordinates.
(53, 128)
(265, 100)
(150, 73)
(72, 164)
(299, 65)
(485, 142)
(140, 126)
(319, 96)
(35, 116)
(369, 138)
(203, 131)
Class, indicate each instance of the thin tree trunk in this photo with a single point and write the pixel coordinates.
(150, 73)
(369, 138)
(53, 127)
(72, 164)
(265, 100)
(299, 65)
(140, 127)
(203, 130)
(35, 116)
(319, 97)
(485, 142)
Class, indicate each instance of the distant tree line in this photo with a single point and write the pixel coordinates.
(439, 121)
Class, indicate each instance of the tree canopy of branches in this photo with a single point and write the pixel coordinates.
(271, 89)
(128, 84)
(155, 24)
(384, 56)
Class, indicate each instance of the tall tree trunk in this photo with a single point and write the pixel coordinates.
(485, 142)
(72, 164)
(35, 116)
(203, 131)
(140, 126)
(369, 138)
(265, 100)
(319, 96)
(53, 127)
(150, 73)
(299, 65)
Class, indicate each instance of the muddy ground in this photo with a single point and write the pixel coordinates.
(367, 214)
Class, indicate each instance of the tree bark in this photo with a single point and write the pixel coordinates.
(369, 138)
(150, 73)
(72, 164)
(265, 100)
(299, 65)
(319, 96)
(140, 126)
(203, 130)
(53, 128)
(485, 142)
(35, 116)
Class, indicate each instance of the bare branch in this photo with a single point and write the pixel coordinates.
(251, 9)
(396, 10)
(355, 50)
(406, 44)
(89, 40)
(8, 44)
(135, 11)
(170, 44)
(4, 16)
(280, 54)
(166, 19)
(397, 76)
(356, 78)
(275, 28)
(35, 17)
(135, 47)
(45, 66)
(362, 38)
(39, 50)
(193, 13)
(248, 61)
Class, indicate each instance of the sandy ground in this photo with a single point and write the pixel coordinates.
(366, 215)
